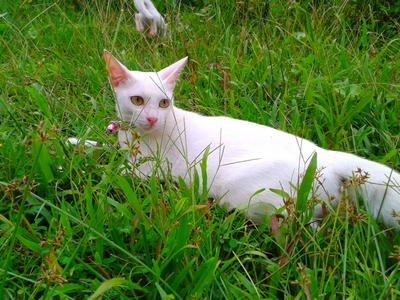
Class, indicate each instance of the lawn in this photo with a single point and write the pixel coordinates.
(73, 227)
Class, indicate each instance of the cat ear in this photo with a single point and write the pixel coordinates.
(170, 74)
(117, 71)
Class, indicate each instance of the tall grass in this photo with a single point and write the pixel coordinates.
(72, 227)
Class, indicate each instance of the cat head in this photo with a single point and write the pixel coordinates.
(144, 99)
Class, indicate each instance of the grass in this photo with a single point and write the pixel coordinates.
(72, 228)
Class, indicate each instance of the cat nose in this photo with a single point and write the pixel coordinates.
(152, 120)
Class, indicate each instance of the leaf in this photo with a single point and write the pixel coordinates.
(5, 220)
(65, 222)
(107, 285)
(163, 294)
(130, 195)
(123, 209)
(204, 275)
(32, 245)
(66, 288)
(39, 150)
(306, 184)
(389, 155)
(51, 261)
(183, 274)
(258, 253)
(196, 184)
(309, 27)
(233, 243)
(203, 166)
(161, 291)
(246, 283)
(281, 193)
(343, 59)
(40, 100)
(180, 205)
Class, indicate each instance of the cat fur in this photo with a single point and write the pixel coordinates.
(246, 161)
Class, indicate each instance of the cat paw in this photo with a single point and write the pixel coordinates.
(153, 33)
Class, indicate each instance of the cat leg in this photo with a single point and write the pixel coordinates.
(139, 23)
(153, 27)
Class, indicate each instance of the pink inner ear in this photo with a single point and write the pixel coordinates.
(117, 75)
(170, 74)
(165, 73)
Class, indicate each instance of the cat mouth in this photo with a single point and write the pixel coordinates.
(138, 125)
(149, 127)
(141, 126)
(146, 127)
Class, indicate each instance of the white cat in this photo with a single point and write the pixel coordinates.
(242, 157)
(148, 17)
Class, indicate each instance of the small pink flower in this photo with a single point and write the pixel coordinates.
(113, 127)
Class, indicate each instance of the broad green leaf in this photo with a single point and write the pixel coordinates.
(39, 150)
(204, 276)
(247, 283)
(306, 184)
(130, 194)
(203, 166)
(107, 285)
(32, 245)
(281, 193)
(40, 100)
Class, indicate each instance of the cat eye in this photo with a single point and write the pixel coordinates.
(164, 103)
(137, 100)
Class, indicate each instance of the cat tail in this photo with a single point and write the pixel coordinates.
(379, 185)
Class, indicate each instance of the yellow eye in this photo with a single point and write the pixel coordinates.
(164, 103)
(137, 100)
